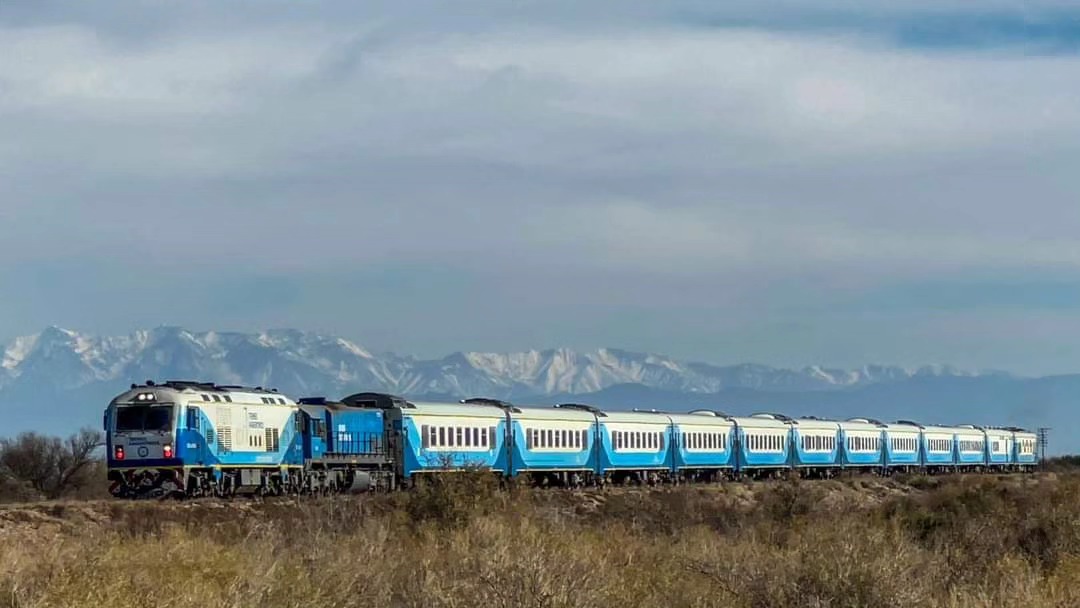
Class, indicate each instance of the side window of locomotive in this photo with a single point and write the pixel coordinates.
(193, 418)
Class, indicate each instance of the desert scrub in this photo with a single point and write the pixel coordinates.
(465, 541)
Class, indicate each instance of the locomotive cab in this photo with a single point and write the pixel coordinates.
(142, 433)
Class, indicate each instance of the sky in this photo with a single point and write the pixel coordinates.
(789, 182)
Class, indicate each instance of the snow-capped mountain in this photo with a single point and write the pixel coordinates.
(303, 363)
(60, 380)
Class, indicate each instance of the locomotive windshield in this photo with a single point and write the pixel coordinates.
(144, 418)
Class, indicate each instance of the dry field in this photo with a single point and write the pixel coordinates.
(961, 542)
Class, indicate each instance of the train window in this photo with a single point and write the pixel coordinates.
(425, 441)
(442, 436)
(468, 438)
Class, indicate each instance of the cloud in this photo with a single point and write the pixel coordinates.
(539, 148)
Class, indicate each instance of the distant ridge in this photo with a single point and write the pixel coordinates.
(304, 362)
(58, 379)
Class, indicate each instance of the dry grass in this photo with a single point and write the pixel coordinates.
(976, 541)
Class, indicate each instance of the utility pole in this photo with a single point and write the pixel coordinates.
(1043, 434)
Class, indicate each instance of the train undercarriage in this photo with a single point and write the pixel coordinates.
(226, 482)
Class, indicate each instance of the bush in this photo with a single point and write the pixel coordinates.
(34, 466)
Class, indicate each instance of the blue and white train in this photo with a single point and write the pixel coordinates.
(195, 439)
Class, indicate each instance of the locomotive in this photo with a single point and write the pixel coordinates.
(182, 438)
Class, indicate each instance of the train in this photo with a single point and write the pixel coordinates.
(190, 439)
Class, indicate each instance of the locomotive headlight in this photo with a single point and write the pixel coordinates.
(167, 451)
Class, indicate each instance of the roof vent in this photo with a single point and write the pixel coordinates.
(717, 413)
(382, 401)
(492, 402)
(592, 409)
(772, 416)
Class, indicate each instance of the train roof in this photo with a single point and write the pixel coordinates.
(173, 391)
(462, 410)
(760, 421)
(861, 424)
(558, 412)
(817, 424)
(654, 417)
(702, 418)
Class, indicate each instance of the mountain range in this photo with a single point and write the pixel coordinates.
(59, 379)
